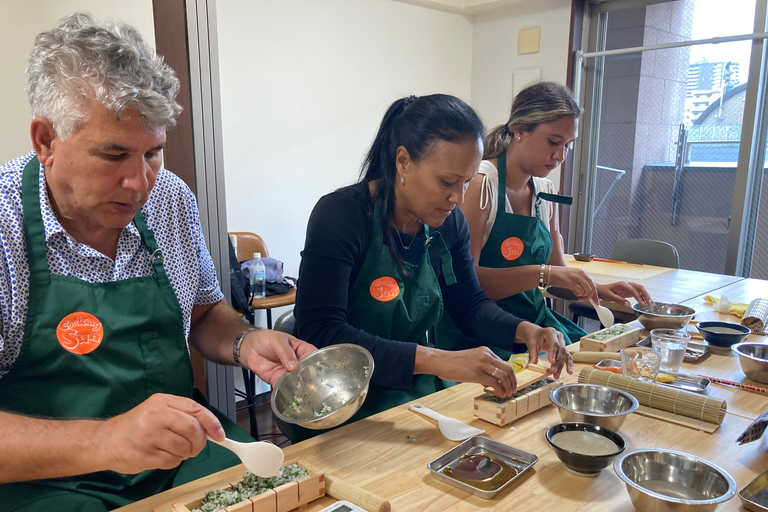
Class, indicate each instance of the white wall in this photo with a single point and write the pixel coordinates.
(20, 22)
(495, 58)
(304, 85)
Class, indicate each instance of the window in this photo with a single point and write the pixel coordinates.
(672, 140)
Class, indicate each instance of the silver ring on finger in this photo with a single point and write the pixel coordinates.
(494, 372)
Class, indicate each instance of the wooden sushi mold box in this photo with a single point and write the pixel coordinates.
(502, 414)
(281, 499)
(613, 344)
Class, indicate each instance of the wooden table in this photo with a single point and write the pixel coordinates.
(664, 284)
(377, 455)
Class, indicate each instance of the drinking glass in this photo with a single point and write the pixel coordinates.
(640, 363)
(671, 345)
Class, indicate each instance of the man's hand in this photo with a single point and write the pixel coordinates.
(548, 340)
(159, 433)
(269, 354)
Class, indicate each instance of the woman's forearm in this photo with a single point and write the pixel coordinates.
(499, 283)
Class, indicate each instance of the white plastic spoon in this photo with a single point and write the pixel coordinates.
(603, 313)
(260, 458)
(451, 428)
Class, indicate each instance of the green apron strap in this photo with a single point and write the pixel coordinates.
(445, 255)
(30, 199)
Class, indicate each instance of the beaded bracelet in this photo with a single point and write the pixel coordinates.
(541, 275)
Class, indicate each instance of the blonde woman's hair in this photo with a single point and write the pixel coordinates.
(539, 103)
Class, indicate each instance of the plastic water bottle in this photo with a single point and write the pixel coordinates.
(258, 277)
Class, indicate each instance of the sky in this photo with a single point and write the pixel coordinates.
(714, 18)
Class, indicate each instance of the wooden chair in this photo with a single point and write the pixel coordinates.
(247, 244)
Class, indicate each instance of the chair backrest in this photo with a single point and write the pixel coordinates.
(285, 322)
(249, 243)
(648, 252)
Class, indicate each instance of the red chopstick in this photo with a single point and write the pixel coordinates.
(748, 387)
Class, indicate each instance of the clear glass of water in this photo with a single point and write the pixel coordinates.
(670, 344)
(640, 363)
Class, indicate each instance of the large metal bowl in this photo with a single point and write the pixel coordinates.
(663, 315)
(753, 358)
(666, 480)
(328, 388)
(589, 403)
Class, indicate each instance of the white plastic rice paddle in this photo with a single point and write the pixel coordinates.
(260, 458)
(451, 428)
(603, 313)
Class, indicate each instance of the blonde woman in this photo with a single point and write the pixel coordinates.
(515, 241)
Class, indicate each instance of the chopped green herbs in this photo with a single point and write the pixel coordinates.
(611, 332)
(250, 486)
(292, 407)
(322, 412)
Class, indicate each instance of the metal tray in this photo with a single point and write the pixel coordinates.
(694, 352)
(750, 491)
(518, 459)
(682, 380)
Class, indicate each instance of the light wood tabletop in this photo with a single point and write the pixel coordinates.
(663, 284)
(387, 454)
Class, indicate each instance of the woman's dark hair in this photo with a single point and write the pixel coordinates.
(416, 124)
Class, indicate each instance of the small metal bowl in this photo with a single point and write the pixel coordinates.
(668, 480)
(663, 315)
(579, 463)
(713, 333)
(583, 256)
(753, 358)
(590, 403)
(328, 388)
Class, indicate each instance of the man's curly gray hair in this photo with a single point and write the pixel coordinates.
(82, 59)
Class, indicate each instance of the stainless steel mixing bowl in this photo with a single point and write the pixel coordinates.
(753, 358)
(663, 315)
(666, 480)
(328, 388)
(590, 403)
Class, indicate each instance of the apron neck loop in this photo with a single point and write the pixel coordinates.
(148, 239)
(445, 255)
(33, 219)
(554, 198)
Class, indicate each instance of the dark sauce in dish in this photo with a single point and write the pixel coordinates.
(482, 471)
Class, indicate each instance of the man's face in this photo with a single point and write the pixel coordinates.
(102, 175)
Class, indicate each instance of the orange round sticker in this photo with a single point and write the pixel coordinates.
(384, 289)
(80, 332)
(512, 248)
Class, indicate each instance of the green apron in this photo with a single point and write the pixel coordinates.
(96, 350)
(384, 303)
(516, 240)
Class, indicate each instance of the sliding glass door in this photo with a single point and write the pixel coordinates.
(672, 132)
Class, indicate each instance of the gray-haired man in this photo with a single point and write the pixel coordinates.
(104, 279)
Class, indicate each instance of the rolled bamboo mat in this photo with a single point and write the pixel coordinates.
(656, 396)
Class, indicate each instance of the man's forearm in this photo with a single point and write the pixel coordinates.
(213, 331)
(36, 448)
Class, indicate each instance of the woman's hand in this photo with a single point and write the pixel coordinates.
(548, 340)
(478, 365)
(575, 279)
(617, 292)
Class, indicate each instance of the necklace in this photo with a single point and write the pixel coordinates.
(406, 247)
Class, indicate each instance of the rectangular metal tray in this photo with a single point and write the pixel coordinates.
(694, 352)
(518, 459)
(682, 380)
(751, 490)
